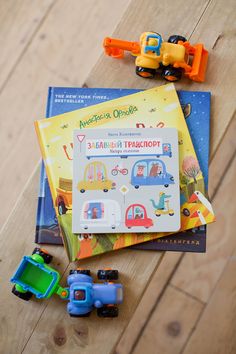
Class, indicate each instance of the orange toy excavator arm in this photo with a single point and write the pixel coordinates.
(116, 47)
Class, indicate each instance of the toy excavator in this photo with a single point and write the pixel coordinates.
(171, 58)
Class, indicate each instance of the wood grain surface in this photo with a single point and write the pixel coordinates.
(171, 299)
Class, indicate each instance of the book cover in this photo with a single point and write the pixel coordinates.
(196, 108)
(61, 100)
(157, 107)
(116, 176)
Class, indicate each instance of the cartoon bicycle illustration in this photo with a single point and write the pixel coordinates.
(118, 169)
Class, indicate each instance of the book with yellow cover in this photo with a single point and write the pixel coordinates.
(158, 107)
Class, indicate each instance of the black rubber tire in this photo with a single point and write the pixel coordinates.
(80, 271)
(84, 315)
(186, 212)
(108, 311)
(176, 38)
(61, 208)
(24, 296)
(108, 274)
(171, 72)
(46, 256)
(140, 71)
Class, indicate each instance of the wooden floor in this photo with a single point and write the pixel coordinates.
(175, 303)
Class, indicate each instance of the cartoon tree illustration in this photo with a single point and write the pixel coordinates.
(191, 168)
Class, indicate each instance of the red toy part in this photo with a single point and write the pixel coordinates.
(136, 215)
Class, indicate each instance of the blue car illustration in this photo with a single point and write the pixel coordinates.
(150, 172)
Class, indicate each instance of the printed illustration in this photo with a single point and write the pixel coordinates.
(64, 196)
(136, 215)
(197, 210)
(166, 150)
(162, 207)
(150, 172)
(95, 178)
(118, 169)
(100, 213)
(127, 206)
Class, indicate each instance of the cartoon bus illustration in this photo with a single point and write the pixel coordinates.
(95, 178)
(136, 215)
(150, 172)
(166, 150)
(100, 213)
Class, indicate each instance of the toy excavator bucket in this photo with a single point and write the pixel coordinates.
(199, 63)
(116, 47)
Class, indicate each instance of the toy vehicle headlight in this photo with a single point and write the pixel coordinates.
(79, 295)
(119, 294)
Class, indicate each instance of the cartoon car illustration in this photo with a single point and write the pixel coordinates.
(95, 178)
(136, 215)
(85, 294)
(150, 172)
(35, 277)
(100, 213)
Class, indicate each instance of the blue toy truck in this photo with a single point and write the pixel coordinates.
(84, 294)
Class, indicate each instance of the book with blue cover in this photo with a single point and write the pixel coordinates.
(61, 100)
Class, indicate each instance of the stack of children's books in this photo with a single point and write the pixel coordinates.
(135, 165)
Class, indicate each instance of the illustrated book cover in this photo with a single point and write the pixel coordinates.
(61, 100)
(125, 180)
(196, 107)
(158, 107)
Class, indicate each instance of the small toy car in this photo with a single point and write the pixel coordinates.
(34, 276)
(85, 294)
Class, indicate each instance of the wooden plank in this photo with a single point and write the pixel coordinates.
(170, 324)
(61, 54)
(19, 21)
(151, 297)
(219, 41)
(222, 158)
(198, 274)
(215, 332)
(202, 272)
(18, 318)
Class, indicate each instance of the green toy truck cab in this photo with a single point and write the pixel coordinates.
(34, 276)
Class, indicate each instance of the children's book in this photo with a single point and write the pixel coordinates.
(157, 107)
(126, 180)
(62, 100)
(196, 108)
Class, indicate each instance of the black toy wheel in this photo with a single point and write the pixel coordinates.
(145, 72)
(171, 74)
(82, 190)
(176, 38)
(108, 274)
(43, 253)
(80, 271)
(108, 311)
(105, 190)
(84, 315)
(24, 296)
(186, 212)
(62, 208)
(166, 185)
